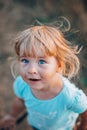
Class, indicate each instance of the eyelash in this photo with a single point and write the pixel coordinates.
(24, 60)
(43, 62)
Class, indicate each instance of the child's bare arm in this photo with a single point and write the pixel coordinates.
(17, 107)
(83, 122)
(9, 121)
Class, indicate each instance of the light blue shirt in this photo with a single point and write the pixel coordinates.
(58, 113)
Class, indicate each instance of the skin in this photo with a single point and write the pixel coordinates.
(37, 73)
(82, 124)
(42, 75)
(9, 121)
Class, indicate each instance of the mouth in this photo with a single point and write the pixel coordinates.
(34, 79)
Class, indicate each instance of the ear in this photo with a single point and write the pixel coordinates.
(59, 68)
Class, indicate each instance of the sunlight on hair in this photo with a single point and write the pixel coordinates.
(14, 69)
(49, 40)
(62, 23)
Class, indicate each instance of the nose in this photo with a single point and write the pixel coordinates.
(32, 69)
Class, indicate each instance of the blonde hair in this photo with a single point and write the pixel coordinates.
(50, 40)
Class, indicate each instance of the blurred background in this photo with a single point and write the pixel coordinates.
(17, 15)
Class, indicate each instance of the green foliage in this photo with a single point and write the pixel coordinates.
(83, 81)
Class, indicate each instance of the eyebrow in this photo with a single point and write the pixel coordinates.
(39, 57)
(21, 56)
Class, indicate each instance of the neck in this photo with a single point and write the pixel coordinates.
(51, 93)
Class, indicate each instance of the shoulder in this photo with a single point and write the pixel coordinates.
(19, 81)
(20, 86)
(76, 98)
(70, 88)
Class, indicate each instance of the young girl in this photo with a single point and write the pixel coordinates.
(46, 62)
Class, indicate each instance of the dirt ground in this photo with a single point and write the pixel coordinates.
(13, 18)
(8, 27)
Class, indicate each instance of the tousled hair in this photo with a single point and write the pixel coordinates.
(49, 40)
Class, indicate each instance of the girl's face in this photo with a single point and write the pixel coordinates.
(39, 73)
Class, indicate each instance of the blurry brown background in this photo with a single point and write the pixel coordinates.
(17, 15)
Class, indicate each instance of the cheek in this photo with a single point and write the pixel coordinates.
(49, 73)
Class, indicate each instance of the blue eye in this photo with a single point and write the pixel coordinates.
(41, 62)
(25, 61)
